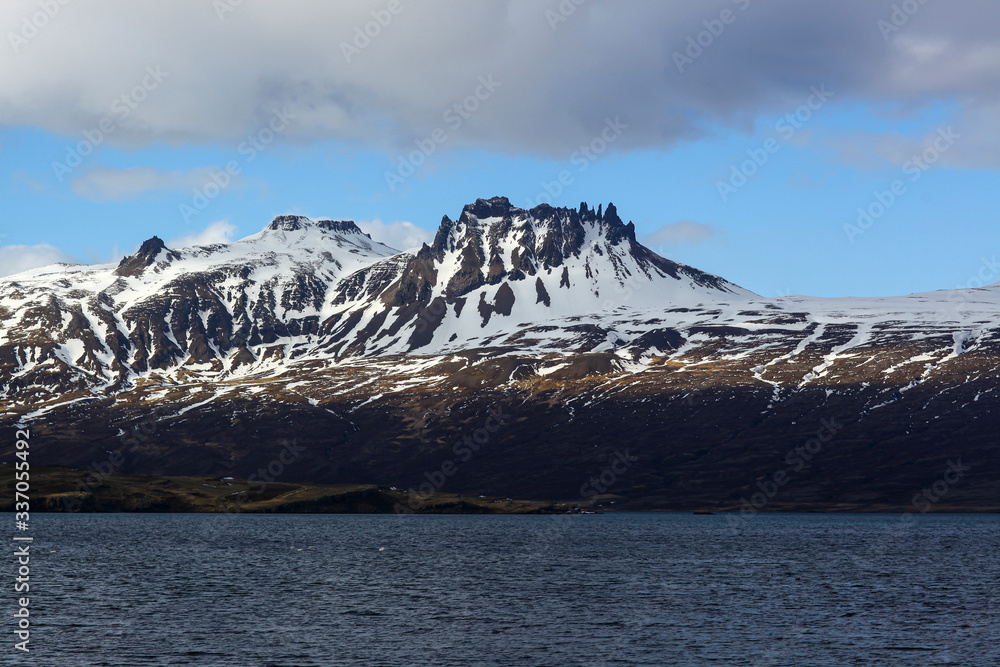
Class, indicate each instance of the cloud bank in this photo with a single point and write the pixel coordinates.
(386, 73)
(220, 231)
(18, 258)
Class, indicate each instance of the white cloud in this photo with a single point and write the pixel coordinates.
(18, 258)
(400, 235)
(106, 183)
(220, 231)
(680, 232)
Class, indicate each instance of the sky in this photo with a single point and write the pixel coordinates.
(846, 148)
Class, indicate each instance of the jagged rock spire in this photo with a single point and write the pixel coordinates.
(146, 255)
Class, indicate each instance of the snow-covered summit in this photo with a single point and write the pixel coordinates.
(498, 279)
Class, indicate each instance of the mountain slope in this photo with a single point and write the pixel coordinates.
(524, 349)
(205, 308)
(497, 267)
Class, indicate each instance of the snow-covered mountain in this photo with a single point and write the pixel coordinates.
(324, 290)
(204, 308)
(379, 359)
(498, 269)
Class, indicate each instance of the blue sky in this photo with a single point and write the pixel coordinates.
(708, 157)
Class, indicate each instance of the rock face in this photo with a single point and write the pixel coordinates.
(535, 354)
(147, 256)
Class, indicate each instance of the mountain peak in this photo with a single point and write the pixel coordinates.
(294, 223)
(152, 247)
(289, 223)
(145, 256)
(592, 254)
(570, 221)
(494, 207)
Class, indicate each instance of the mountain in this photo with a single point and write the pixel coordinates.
(540, 353)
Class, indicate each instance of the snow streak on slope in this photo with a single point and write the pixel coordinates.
(168, 309)
(538, 287)
(499, 268)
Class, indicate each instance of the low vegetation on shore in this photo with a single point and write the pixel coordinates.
(56, 489)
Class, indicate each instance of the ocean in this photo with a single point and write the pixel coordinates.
(463, 590)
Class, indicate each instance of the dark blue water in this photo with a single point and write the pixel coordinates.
(613, 589)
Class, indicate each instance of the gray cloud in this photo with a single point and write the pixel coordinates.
(559, 80)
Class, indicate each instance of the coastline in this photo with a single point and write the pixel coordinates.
(58, 489)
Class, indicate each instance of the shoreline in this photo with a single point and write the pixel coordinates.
(67, 490)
